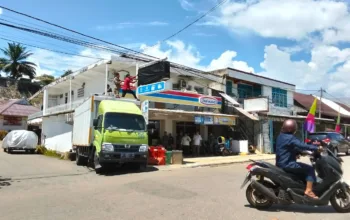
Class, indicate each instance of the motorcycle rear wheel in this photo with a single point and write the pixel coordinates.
(256, 199)
(342, 196)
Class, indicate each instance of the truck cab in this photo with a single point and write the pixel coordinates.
(120, 133)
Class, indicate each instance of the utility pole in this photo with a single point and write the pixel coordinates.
(320, 107)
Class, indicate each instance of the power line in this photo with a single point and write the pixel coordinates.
(195, 21)
(76, 32)
(56, 51)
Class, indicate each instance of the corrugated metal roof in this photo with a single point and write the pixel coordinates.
(307, 100)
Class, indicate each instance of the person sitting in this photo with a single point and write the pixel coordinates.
(287, 148)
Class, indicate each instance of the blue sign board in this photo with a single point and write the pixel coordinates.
(198, 120)
(208, 120)
(151, 88)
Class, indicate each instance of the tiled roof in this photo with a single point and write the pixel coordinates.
(11, 108)
(307, 100)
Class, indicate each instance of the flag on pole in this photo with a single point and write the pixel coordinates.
(337, 127)
(309, 124)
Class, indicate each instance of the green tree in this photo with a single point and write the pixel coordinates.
(14, 63)
(67, 72)
(45, 79)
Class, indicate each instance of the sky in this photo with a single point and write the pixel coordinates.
(303, 42)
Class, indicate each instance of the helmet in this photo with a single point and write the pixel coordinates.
(289, 126)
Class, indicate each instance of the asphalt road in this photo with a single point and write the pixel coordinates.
(41, 188)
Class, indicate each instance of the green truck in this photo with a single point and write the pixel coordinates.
(109, 131)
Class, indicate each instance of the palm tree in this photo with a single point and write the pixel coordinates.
(14, 64)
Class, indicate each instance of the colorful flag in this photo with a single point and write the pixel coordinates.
(337, 127)
(309, 124)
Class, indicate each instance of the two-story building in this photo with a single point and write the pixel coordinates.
(270, 101)
(190, 103)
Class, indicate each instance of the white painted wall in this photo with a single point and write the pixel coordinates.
(13, 127)
(58, 133)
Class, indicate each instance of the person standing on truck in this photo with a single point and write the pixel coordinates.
(117, 81)
(126, 86)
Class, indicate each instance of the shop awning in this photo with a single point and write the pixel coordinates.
(236, 106)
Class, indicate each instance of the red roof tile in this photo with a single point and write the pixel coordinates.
(10, 107)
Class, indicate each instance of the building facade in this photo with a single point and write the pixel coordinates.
(189, 103)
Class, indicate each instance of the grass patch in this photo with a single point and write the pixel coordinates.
(47, 152)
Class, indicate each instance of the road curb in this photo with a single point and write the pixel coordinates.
(197, 165)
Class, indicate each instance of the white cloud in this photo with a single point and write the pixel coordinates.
(320, 71)
(0, 11)
(291, 19)
(178, 52)
(55, 64)
(124, 25)
(186, 4)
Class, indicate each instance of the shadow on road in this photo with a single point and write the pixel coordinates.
(5, 182)
(299, 208)
(115, 171)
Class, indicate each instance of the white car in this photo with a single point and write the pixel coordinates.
(20, 140)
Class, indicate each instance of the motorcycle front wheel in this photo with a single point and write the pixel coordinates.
(256, 199)
(340, 201)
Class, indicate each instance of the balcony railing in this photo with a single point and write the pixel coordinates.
(35, 115)
(64, 107)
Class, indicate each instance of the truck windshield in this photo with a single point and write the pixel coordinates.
(117, 121)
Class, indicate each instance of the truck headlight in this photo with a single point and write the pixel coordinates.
(107, 147)
(143, 148)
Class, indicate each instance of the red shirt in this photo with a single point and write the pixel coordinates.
(127, 81)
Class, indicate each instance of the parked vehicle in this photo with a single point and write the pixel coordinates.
(338, 143)
(274, 186)
(20, 140)
(109, 131)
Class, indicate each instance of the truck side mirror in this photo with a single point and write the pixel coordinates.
(94, 123)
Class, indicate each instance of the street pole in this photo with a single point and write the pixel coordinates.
(320, 107)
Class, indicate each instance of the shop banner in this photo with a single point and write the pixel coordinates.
(222, 120)
(208, 120)
(198, 120)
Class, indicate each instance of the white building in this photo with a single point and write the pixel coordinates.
(270, 100)
(191, 94)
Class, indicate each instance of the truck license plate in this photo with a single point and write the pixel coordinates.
(127, 155)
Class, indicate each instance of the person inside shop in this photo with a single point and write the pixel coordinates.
(109, 90)
(185, 143)
(197, 141)
(165, 140)
(287, 148)
(211, 143)
(178, 141)
(117, 82)
(126, 88)
(170, 142)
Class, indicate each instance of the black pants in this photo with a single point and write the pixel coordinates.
(128, 91)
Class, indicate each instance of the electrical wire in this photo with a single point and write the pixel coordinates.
(56, 51)
(193, 22)
(76, 32)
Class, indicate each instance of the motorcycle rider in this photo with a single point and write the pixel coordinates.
(287, 149)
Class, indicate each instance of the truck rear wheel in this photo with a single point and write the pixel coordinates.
(80, 160)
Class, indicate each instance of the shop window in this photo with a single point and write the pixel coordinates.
(199, 90)
(248, 91)
(279, 97)
(176, 86)
(61, 96)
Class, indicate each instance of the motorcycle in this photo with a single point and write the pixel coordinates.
(273, 185)
(220, 147)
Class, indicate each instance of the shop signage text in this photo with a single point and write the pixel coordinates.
(151, 88)
(205, 100)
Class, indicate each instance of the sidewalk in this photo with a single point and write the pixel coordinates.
(216, 161)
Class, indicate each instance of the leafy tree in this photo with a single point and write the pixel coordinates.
(14, 63)
(67, 72)
(45, 79)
